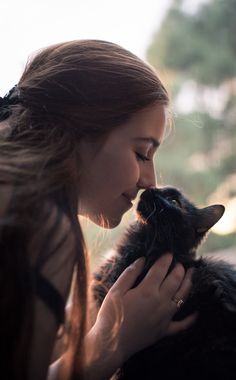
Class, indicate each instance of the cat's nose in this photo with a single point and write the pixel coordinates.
(151, 192)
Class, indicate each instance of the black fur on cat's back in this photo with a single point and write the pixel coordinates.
(168, 222)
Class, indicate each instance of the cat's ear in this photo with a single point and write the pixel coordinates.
(209, 216)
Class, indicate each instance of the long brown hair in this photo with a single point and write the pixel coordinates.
(68, 92)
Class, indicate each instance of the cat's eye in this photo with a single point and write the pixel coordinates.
(175, 202)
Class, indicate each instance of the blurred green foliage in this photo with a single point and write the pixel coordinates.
(200, 48)
(200, 45)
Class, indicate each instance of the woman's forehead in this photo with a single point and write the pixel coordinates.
(148, 124)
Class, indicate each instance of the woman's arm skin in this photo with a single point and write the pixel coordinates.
(138, 317)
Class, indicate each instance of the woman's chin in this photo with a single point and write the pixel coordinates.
(105, 221)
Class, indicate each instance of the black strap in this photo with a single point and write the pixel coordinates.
(51, 296)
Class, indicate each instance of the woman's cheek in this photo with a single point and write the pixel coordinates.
(134, 172)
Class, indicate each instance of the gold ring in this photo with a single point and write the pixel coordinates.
(179, 302)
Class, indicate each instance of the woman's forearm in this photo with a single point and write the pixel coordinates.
(55, 370)
(100, 362)
(102, 357)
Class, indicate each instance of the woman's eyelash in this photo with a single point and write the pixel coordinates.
(142, 157)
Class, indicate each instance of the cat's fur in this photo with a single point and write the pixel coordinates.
(169, 222)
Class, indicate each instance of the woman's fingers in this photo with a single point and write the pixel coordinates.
(173, 281)
(157, 272)
(129, 276)
(177, 284)
(182, 293)
(125, 306)
(178, 326)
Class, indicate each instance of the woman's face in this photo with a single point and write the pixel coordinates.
(110, 177)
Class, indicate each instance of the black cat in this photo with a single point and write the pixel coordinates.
(169, 222)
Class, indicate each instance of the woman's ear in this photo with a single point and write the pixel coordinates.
(209, 216)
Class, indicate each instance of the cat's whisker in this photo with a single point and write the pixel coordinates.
(153, 211)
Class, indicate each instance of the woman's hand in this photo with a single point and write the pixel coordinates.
(132, 319)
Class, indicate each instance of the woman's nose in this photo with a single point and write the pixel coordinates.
(147, 176)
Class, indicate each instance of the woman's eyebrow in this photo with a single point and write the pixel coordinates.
(155, 143)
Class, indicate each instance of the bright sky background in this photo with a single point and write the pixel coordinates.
(28, 25)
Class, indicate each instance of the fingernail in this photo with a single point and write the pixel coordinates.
(139, 261)
(169, 255)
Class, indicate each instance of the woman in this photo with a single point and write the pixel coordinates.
(78, 136)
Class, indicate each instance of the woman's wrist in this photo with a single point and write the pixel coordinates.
(102, 355)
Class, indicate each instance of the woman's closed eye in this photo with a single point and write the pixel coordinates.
(142, 157)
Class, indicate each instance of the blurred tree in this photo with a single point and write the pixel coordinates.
(202, 45)
(198, 51)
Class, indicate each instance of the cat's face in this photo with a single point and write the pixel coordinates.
(174, 219)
